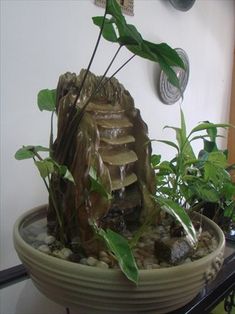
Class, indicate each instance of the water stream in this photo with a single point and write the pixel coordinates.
(122, 178)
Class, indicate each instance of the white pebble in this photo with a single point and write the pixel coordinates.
(41, 237)
(56, 253)
(44, 248)
(91, 261)
(155, 266)
(148, 266)
(103, 254)
(141, 245)
(164, 264)
(105, 259)
(49, 239)
(102, 264)
(148, 263)
(83, 261)
(65, 253)
(200, 253)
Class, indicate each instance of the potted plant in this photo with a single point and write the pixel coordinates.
(103, 208)
(202, 183)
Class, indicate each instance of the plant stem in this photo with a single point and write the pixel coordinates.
(61, 223)
(91, 60)
(99, 85)
(69, 134)
(118, 70)
(51, 135)
(51, 196)
(37, 155)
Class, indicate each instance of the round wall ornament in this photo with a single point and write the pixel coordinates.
(182, 5)
(170, 94)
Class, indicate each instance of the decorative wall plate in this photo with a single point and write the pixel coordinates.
(182, 5)
(126, 5)
(169, 94)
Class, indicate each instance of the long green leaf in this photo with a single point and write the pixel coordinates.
(170, 73)
(208, 125)
(114, 9)
(127, 41)
(169, 55)
(108, 32)
(172, 144)
(132, 39)
(183, 126)
(180, 214)
(122, 251)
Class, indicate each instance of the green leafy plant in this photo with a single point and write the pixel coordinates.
(188, 182)
(114, 28)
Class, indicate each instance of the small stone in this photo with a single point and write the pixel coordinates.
(148, 263)
(56, 245)
(172, 251)
(163, 264)
(91, 261)
(44, 248)
(141, 245)
(41, 236)
(200, 253)
(83, 261)
(103, 254)
(102, 264)
(105, 259)
(206, 234)
(148, 266)
(65, 253)
(188, 260)
(155, 266)
(56, 253)
(36, 244)
(49, 239)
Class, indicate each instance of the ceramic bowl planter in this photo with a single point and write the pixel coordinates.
(93, 290)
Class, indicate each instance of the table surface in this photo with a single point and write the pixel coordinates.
(19, 296)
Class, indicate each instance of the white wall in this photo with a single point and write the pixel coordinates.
(42, 39)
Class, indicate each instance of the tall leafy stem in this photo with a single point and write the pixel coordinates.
(188, 181)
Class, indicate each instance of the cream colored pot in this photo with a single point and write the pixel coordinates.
(94, 290)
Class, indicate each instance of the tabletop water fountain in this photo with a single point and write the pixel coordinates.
(110, 140)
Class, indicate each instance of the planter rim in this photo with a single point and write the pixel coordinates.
(63, 264)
